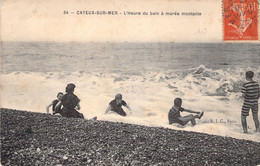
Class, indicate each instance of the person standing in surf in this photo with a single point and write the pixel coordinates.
(70, 103)
(175, 117)
(251, 93)
(116, 105)
(54, 103)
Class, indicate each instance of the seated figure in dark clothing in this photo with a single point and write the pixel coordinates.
(70, 102)
(54, 103)
(116, 105)
(174, 115)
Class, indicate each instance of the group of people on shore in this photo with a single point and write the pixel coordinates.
(68, 105)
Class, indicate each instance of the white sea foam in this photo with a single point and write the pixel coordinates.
(150, 95)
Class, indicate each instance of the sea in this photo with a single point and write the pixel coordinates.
(207, 76)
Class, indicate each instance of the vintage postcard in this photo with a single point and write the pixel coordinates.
(130, 82)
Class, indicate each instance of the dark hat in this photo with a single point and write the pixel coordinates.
(60, 93)
(118, 96)
(70, 87)
(250, 74)
(178, 102)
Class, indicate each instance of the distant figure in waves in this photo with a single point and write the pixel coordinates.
(251, 93)
(116, 105)
(54, 103)
(70, 103)
(175, 117)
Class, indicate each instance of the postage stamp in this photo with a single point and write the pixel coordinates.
(240, 20)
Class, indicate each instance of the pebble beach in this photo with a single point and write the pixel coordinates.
(29, 138)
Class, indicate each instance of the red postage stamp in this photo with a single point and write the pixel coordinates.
(240, 19)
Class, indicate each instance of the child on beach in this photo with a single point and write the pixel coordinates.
(54, 103)
(175, 117)
(251, 93)
(70, 103)
(116, 105)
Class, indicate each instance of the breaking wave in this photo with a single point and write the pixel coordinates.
(150, 94)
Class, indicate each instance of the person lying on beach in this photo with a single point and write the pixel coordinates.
(251, 93)
(70, 103)
(54, 103)
(116, 105)
(175, 117)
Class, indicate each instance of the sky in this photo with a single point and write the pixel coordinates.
(37, 20)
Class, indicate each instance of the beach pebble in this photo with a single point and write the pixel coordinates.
(67, 141)
(65, 157)
(89, 161)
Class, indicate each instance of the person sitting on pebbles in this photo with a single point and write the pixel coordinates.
(175, 117)
(70, 103)
(116, 105)
(54, 103)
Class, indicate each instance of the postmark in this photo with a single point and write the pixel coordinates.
(240, 20)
